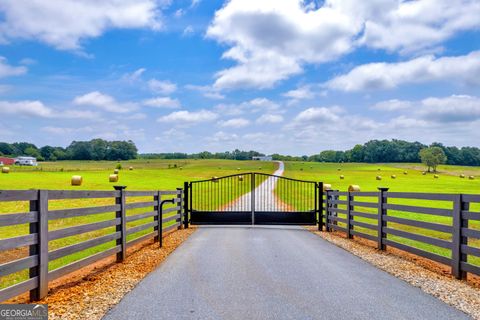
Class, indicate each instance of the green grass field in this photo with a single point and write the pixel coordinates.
(171, 174)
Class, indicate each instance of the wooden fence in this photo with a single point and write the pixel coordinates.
(444, 230)
(39, 236)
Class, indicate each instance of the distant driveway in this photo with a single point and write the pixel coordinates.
(272, 273)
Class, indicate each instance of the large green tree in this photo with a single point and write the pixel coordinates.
(432, 157)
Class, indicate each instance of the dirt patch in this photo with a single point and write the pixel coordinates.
(90, 292)
(430, 277)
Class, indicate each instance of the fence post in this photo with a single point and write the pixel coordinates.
(381, 223)
(252, 196)
(122, 227)
(41, 248)
(180, 206)
(157, 217)
(457, 238)
(320, 206)
(186, 191)
(327, 211)
(349, 226)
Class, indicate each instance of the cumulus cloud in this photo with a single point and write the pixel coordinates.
(234, 123)
(35, 108)
(301, 93)
(465, 69)
(392, 105)
(189, 117)
(134, 76)
(52, 22)
(104, 102)
(272, 40)
(162, 102)
(163, 87)
(7, 70)
(207, 91)
(270, 118)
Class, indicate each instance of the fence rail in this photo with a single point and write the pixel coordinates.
(40, 237)
(445, 230)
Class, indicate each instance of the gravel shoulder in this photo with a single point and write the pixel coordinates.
(459, 294)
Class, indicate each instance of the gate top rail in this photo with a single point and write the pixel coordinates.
(250, 173)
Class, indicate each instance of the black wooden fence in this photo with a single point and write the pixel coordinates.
(445, 229)
(39, 236)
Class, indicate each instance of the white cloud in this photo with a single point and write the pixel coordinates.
(300, 93)
(188, 31)
(464, 69)
(38, 109)
(271, 40)
(189, 117)
(234, 123)
(162, 102)
(7, 70)
(270, 118)
(392, 105)
(103, 101)
(162, 87)
(221, 136)
(319, 115)
(134, 76)
(207, 91)
(65, 23)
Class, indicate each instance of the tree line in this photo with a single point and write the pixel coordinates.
(228, 155)
(96, 149)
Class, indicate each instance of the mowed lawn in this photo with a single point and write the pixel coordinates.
(145, 175)
(408, 178)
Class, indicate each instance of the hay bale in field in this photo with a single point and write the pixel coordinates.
(181, 168)
(115, 171)
(327, 187)
(77, 180)
(379, 169)
(393, 176)
(238, 169)
(462, 176)
(405, 172)
(113, 178)
(424, 173)
(436, 176)
(342, 177)
(130, 168)
(5, 170)
(353, 187)
(214, 179)
(259, 168)
(240, 178)
(379, 178)
(471, 177)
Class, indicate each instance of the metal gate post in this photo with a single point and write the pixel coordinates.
(252, 196)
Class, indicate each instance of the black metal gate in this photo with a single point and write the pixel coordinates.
(253, 198)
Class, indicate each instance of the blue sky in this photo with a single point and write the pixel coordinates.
(290, 76)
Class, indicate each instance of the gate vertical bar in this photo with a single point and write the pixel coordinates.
(41, 248)
(252, 196)
(327, 207)
(349, 216)
(457, 238)
(381, 223)
(320, 206)
(122, 227)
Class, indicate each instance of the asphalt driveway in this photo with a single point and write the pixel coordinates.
(261, 272)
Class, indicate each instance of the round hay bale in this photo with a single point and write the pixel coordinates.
(462, 176)
(181, 168)
(353, 187)
(405, 172)
(113, 178)
(130, 168)
(5, 170)
(327, 187)
(436, 176)
(311, 167)
(471, 177)
(424, 173)
(77, 180)
(379, 178)
(394, 176)
(342, 177)
(214, 179)
(379, 169)
(259, 168)
(115, 171)
(240, 178)
(238, 169)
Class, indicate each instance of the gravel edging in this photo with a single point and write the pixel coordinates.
(91, 293)
(456, 293)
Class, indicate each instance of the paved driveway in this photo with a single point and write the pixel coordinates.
(272, 273)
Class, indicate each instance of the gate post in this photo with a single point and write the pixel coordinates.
(349, 216)
(186, 196)
(320, 205)
(327, 211)
(252, 196)
(122, 227)
(180, 206)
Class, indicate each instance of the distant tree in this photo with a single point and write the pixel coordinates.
(432, 157)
